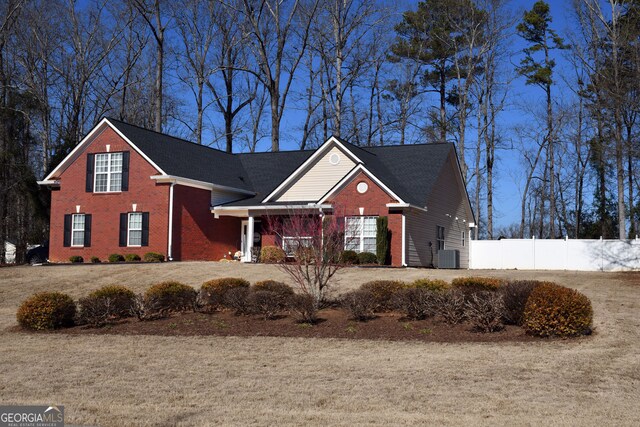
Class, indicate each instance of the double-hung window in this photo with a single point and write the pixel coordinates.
(108, 172)
(134, 235)
(77, 230)
(360, 233)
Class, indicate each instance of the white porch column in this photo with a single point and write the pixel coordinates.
(249, 237)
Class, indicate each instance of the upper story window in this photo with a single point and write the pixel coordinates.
(108, 172)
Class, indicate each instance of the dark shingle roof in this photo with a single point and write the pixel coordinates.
(410, 171)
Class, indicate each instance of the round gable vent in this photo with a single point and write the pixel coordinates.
(334, 158)
(362, 187)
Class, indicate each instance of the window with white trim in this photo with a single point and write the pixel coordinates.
(134, 230)
(439, 237)
(108, 172)
(360, 233)
(290, 245)
(77, 230)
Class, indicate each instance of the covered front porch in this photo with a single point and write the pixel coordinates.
(255, 230)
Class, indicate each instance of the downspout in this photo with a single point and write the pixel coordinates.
(170, 239)
(404, 242)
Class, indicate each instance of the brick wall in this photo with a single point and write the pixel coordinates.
(105, 208)
(197, 235)
(348, 202)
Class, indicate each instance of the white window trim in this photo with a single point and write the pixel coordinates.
(129, 229)
(108, 173)
(362, 236)
(73, 230)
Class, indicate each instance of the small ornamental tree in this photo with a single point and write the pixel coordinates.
(313, 244)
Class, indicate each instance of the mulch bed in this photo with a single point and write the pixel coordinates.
(334, 323)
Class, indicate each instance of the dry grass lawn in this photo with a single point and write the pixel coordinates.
(151, 380)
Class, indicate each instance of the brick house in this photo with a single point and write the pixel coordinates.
(125, 189)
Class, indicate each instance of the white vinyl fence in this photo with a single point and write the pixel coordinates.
(561, 254)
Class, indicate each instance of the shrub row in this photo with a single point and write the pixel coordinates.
(148, 257)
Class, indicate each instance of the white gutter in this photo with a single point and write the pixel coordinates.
(404, 242)
(170, 239)
(269, 207)
(405, 206)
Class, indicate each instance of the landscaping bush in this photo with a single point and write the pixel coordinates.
(95, 260)
(515, 295)
(105, 305)
(132, 257)
(279, 288)
(212, 293)
(165, 297)
(266, 303)
(116, 258)
(76, 259)
(367, 258)
(360, 303)
(471, 285)
(554, 310)
(47, 310)
(236, 299)
(485, 310)
(435, 285)
(305, 307)
(153, 257)
(417, 302)
(349, 257)
(384, 292)
(452, 306)
(272, 255)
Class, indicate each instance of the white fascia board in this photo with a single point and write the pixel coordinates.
(319, 151)
(198, 184)
(351, 174)
(51, 182)
(271, 207)
(73, 152)
(63, 165)
(406, 206)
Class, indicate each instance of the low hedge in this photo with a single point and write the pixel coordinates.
(132, 257)
(515, 295)
(95, 260)
(212, 292)
(273, 286)
(272, 255)
(106, 305)
(367, 258)
(76, 259)
(162, 298)
(384, 292)
(47, 310)
(153, 257)
(554, 310)
(435, 285)
(123, 298)
(418, 303)
(349, 257)
(477, 284)
(116, 258)
(361, 304)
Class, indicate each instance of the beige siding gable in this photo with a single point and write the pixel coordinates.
(319, 177)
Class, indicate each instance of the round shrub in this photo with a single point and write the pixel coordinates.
(266, 303)
(132, 257)
(122, 299)
(435, 285)
(360, 303)
(485, 311)
(349, 257)
(417, 302)
(95, 260)
(212, 293)
(47, 310)
(274, 286)
(153, 257)
(164, 297)
(477, 284)
(116, 258)
(76, 259)
(515, 295)
(384, 292)
(272, 255)
(554, 310)
(367, 258)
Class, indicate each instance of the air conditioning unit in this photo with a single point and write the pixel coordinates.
(449, 258)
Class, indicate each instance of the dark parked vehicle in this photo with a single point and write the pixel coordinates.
(38, 255)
